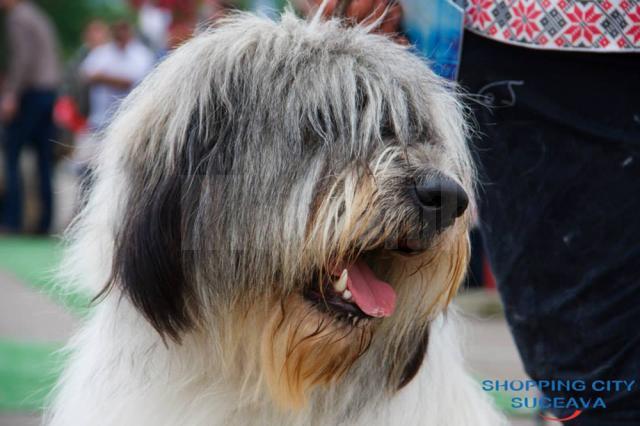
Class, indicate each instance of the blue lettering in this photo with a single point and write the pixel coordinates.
(599, 403)
(572, 403)
(516, 402)
(579, 385)
(504, 385)
(534, 402)
(543, 384)
(487, 385)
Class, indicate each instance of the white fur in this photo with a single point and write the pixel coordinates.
(122, 374)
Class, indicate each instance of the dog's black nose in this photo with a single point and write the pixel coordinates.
(442, 197)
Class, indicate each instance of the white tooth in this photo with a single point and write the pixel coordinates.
(346, 295)
(341, 284)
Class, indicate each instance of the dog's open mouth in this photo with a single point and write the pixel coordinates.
(353, 290)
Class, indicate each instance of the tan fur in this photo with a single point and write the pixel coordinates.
(302, 348)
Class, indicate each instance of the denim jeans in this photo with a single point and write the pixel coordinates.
(32, 124)
(558, 146)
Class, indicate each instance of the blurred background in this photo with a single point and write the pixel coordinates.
(91, 53)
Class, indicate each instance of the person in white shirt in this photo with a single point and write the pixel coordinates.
(112, 70)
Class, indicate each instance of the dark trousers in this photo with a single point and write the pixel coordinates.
(33, 124)
(559, 155)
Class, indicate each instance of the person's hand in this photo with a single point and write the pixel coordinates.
(8, 107)
(368, 11)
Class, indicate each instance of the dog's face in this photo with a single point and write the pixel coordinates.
(296, 193)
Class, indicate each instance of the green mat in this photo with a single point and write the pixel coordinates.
(28, 372)
(33, 261)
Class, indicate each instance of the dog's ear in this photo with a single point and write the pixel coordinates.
(150, 262)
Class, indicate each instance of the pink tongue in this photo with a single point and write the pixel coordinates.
(374, 297)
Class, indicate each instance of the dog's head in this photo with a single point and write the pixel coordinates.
(298, 192)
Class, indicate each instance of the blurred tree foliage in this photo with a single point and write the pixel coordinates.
(69, 17)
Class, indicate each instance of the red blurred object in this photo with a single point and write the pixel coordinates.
(67, 116)
(179, 32)
(185, 17)
(368, 11)
(488, 279)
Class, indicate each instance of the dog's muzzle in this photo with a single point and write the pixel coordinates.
(442, 200)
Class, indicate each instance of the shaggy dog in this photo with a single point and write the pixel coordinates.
(278, 224)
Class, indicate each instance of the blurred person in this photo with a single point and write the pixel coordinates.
(95, 34)
(72, 106)
(154, 22)
(112, 70)
(26, 104)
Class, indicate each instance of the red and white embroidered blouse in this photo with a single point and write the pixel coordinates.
(595, 25)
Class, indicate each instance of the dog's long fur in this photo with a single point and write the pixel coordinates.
(256, 157)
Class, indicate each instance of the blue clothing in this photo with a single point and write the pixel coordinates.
(32, 124)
